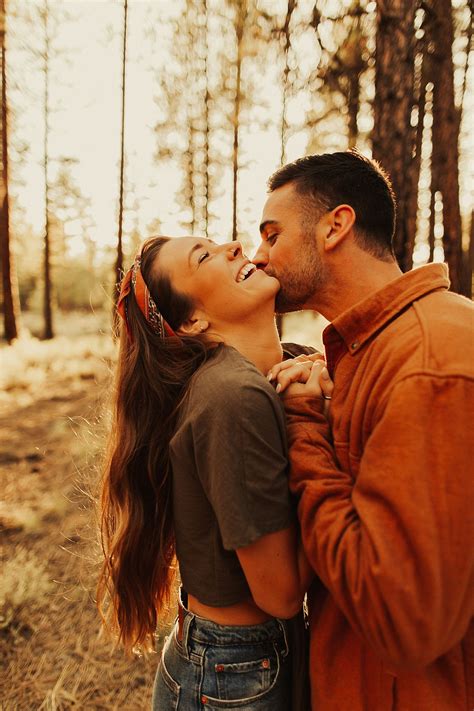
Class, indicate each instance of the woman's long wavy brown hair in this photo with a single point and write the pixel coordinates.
(136, 507)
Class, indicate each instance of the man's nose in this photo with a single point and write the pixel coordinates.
(261, 257)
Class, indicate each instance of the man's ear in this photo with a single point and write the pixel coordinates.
(193, 326)
(340, 223)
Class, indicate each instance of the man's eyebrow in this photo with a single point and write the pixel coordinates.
(265, 224)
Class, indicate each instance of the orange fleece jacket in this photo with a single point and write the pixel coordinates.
(386, 502)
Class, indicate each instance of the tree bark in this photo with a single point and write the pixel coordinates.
(353, 106)
(392, 137)
(468, 262)
(47, 297)
(291, 4)
(431, 228)
(421, 81)
(11, 302)
(241, 13)
(207, 100)
(446, 124)
(119, 256)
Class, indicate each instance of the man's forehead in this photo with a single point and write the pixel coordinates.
(278, 202)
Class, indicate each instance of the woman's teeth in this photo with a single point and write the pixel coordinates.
(245, 272)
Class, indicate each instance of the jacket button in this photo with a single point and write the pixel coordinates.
(219, 667)
(204, 699)
(355, 345)
(266, 664)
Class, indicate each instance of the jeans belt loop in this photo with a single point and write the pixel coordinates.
(286, 648)
(185, 619)
(181, 616)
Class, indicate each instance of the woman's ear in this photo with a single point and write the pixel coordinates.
(341, 221)
(193, 327)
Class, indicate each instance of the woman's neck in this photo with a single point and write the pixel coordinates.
(259, 343)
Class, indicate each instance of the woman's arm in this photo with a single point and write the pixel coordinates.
(276, 567)
(277, 571)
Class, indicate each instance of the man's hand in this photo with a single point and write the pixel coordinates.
(305, 375)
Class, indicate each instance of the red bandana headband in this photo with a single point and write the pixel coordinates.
(133, 282)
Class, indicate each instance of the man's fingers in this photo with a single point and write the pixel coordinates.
(325, 383)
(313, 380)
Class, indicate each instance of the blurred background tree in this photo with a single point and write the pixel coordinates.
(10, 295)
(178, 112)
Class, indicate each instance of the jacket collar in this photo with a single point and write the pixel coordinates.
(356, 325)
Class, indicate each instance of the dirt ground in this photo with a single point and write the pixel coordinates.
(53, 653)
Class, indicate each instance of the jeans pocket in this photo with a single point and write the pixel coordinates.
(166, 690)
(243, 681)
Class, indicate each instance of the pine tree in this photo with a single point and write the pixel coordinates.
(11, 302)
(393, 140)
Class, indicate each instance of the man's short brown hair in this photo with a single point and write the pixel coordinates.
(330, 179)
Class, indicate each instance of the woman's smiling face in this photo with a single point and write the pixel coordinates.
(218, 277)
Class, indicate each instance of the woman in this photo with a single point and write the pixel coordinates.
(197, 468)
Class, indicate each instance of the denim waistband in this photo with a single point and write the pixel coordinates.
(207, 632)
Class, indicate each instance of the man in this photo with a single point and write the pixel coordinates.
(386, 500)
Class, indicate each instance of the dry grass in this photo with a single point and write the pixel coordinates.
(30, 365)
(52, 648)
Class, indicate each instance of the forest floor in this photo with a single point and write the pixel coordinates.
(53, 653)
(54, 401)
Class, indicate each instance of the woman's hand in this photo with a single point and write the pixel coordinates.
(303, 376)
(301, 364)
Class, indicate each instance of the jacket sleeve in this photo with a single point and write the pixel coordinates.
(394, 544)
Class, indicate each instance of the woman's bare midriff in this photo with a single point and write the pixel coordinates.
(242, 613)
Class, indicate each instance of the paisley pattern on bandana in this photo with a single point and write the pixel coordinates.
(133, 282)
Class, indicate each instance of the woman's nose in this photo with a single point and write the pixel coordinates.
(234, 249)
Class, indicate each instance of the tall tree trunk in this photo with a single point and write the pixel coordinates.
(47, 297)
(290, 8)
(207, 99)
(119, 257)
(392, 144)
(11, 310)
(353, 105)
(291, 4)
(189, 169)
(468, 262)
(196, 163)
(418, 134)
(431, 228)
(241, 13)
(446, 126)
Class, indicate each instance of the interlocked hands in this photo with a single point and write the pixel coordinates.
(304, 375)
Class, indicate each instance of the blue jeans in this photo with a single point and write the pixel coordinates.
(224, 667)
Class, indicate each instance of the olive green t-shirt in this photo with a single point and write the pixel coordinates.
(229, 467)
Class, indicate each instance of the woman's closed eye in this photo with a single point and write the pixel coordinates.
(203, 257)
(271, 239)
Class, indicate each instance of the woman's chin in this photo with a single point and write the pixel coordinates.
(271, 282)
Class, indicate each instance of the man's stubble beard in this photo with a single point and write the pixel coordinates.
(306, 277)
